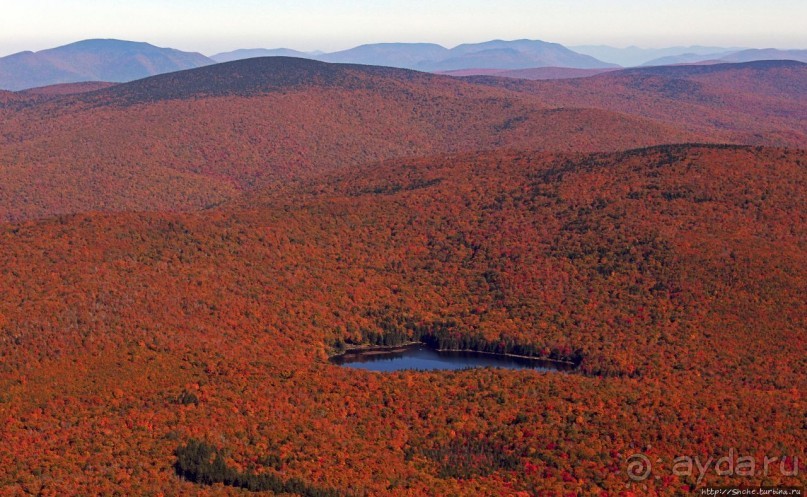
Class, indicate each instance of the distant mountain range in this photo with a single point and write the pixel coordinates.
(527, 59)
(636, 56)
(93, 60)
(497, 54)
(749, 55)
(523, 59)
(124, 61)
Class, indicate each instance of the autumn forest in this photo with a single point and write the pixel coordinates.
(180, 257)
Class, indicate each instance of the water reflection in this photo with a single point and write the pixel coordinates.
(422, 357)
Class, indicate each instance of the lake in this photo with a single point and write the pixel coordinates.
(423, 357)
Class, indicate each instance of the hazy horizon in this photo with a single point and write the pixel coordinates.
(307, 25)
(449, 46)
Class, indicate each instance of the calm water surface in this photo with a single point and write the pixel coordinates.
(422, 357)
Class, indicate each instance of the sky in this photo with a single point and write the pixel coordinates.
(216, 26)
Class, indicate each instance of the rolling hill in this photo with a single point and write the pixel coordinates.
(192, 139)
(757, 102)
(93, 60)
(751, 55)
(739, 56)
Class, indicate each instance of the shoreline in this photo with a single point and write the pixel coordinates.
(371, 350)
(376, 349)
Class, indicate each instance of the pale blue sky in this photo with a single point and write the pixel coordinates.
(215, 26)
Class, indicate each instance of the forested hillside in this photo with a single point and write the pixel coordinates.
(194, 139)
(759, 103)
(140, 347)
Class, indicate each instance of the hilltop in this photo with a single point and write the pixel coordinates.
(93, 60)
(195, 138)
